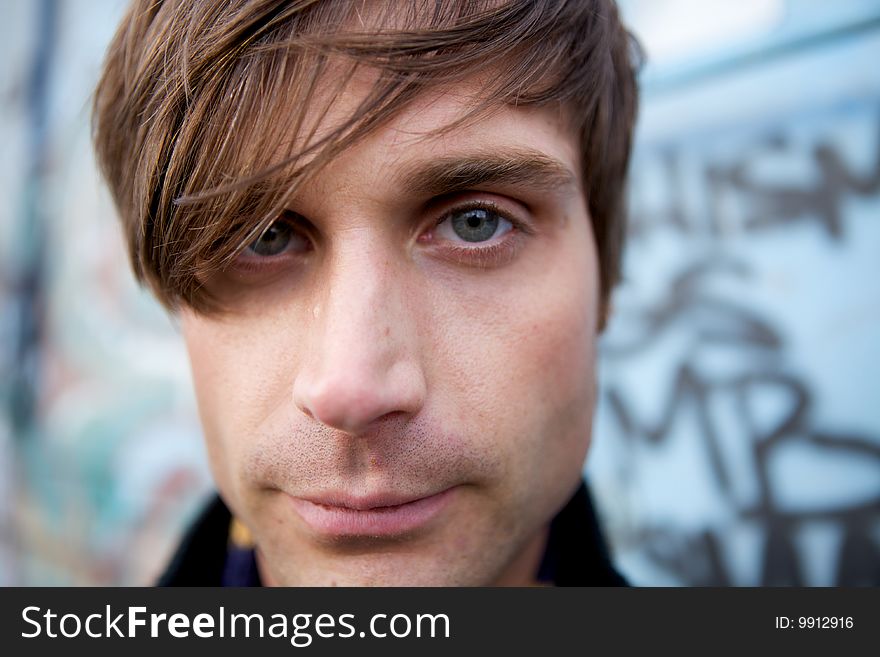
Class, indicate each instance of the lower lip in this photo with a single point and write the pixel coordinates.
(380, 521)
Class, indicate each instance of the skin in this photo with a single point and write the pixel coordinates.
(379, 355)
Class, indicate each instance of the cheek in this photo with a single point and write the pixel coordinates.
(524, 365)
(240, 377)
(551, 380)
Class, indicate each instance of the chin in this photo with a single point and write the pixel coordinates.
(377, 571)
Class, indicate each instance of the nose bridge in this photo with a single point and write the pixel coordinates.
(361, 305)
(362, 360)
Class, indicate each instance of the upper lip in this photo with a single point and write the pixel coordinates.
(365, 502)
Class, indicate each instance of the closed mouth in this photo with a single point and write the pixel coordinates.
(374, 515)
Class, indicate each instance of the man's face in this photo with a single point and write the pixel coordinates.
(403, 388)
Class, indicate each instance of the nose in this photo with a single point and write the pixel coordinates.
(362, 362)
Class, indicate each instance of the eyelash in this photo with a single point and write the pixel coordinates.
(495, 254)
(260, 264)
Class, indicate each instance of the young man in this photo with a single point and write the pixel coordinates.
(389, 231)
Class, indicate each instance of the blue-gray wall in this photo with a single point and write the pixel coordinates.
(738, 435)
(738, 439)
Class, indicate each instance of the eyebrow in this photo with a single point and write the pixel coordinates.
(507, 167)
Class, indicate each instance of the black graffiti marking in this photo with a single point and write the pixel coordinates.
(768, 205)
(781, 204)
(713, 320)
(858, 563)
(693, 557)
(692, 388)
(686, 389)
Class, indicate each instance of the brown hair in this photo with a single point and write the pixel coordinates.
(187, 114)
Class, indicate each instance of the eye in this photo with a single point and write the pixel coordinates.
(278, 238)
(473, 225)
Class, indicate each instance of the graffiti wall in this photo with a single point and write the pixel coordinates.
(101, 462)
(738, 440)
(738, 434)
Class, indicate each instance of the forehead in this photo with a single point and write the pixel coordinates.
(443, 133)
